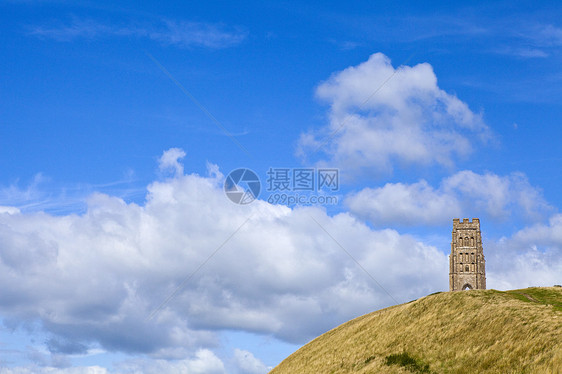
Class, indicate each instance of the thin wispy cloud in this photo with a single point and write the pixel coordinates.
(199, 34)
(532, 41)
(179, 33)
(549, 35)
(523, 52)
(42, 194)
(511, 35)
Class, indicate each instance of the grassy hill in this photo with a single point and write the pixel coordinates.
(479, 331)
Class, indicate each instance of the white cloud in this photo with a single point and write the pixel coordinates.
(41, 194)
(547, 35)
(463, 194)
(523, 52)
(530, 257)
(405, 204)
(182, 34)
(204, 362)
(498, 195)
(247, 363)
(9, 210)
(170, 160)
(208, 35)
(380, 116)
(15, 195)
(93, 279)
(532, 41)
(53, 370)
(543, 235)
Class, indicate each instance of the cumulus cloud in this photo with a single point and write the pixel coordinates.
(93, 279)
(380, 116)
(170, 160)
(9, 210)
(203, 362)
(463, 194)
(248, 364)
(530, 257)
(54, 370)
(404, 204)
(499, 196)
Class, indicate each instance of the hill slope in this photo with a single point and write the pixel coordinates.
(479, 331)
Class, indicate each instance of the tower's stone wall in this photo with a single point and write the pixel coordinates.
(467, 267)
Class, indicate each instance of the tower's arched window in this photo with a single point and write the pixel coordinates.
(472, 242)
(466, 241)
(466, 268)
(460, 241)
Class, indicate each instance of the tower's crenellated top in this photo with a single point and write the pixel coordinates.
(466, 223)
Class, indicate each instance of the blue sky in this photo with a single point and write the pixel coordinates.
(120, 121)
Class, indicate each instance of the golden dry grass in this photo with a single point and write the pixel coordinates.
(479, 331)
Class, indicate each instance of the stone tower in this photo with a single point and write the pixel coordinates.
(467, 267)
